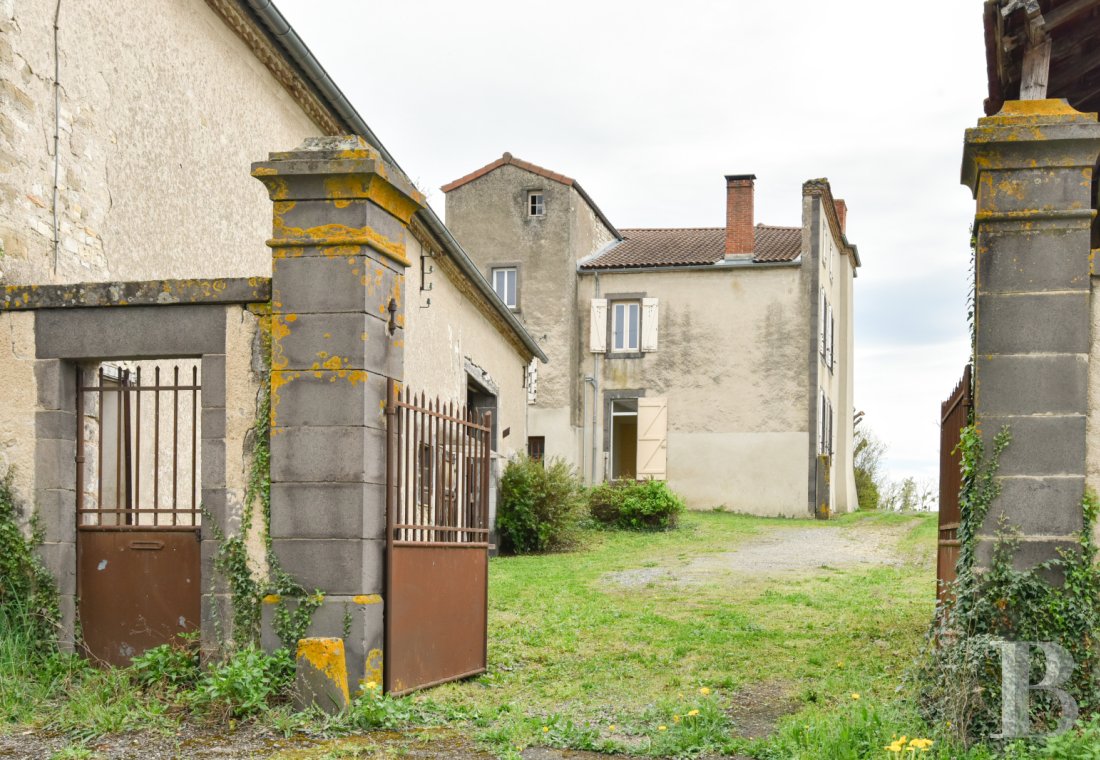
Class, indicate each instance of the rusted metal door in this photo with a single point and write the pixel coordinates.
(137, 511)
(437, 542)
(954, 416)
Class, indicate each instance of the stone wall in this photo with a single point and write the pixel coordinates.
(162, 108)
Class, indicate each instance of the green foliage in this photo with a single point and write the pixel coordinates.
(635, 505)
(372, 710)
(540, 506)
(859, 730)
(27, 590)
(243, 685)
(174, 665)
(867, 463)
(959, 674)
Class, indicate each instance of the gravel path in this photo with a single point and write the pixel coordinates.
(781, 551)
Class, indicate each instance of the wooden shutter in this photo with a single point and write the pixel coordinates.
(652, 438)
(832, 337)
(821, 316)
(649, 324)
(598, 328)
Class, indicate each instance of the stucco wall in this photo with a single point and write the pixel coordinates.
(243, 373)
(489, 218)
(731, 361)
(1092, 419)
(162, 110)
(18, 392)
(439, 339)
(836, 277)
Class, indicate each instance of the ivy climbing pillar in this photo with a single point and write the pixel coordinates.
(1031, 170)
(340, 218)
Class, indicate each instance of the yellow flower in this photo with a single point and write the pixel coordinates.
(921, 744)
(895, 747)
(545, 729)
(693, 712)
(840, 664)
(662, 728)
(675, 718)
(855, 695)
(611, 727)
(370, 685)
(704, 691)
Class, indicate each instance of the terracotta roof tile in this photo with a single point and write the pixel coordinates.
(694, 245)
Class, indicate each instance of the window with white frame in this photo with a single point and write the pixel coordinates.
(536, 203)
(505, 284)
(626, 318)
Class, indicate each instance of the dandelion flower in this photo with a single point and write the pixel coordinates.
(611, 727)
(855, 695)
(545, 729)
(371, 685)
(704, 691)
(693, 713)
(676, 718)
(662, 728)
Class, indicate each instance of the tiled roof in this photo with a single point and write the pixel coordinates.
(694, 245)
(509, 159)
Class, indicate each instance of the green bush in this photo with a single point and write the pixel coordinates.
(540, 506)
(635, 505)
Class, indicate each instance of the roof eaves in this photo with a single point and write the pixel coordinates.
(297, 52)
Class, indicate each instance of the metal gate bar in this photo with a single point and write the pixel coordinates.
(129, 508)
(437, 541)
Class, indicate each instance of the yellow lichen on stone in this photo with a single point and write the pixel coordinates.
(367, 599)
(326, 656)
(373, 670)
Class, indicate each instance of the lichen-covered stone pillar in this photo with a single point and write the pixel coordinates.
(338, 262)
(1030, 168)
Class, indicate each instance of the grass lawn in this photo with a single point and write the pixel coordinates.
(568, 645)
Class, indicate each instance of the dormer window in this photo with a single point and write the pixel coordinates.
(536, 204)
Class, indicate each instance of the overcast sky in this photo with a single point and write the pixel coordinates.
(648, 105)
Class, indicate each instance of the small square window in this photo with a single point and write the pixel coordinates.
(625, 325)
(504, 283)
(536, 205)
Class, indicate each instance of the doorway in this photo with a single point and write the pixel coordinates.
(624, 439)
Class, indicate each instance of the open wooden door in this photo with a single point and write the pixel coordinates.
(652, 438)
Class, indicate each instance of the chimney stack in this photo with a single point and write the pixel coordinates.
(842, 214)
(740, 227)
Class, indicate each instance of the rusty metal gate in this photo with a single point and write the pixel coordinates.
(137, 511)
(437, 542)
(954, 416)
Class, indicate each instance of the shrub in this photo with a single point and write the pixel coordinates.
(635, 505)
(27, 590)
(243, 684)
(174, 665)
(540, 506)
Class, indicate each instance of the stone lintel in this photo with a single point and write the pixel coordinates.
(229, 290)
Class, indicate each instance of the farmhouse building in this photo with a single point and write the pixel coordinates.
(145, 271)
(719, 359)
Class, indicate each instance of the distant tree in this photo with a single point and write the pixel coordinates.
(868, 453)
(909, 495)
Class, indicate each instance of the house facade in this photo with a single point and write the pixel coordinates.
(136, 237)
(718, 359)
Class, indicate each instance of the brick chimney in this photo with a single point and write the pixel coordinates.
(842, 214)
(740, 231)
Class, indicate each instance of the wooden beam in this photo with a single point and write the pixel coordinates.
(1035, 71)
(1067, 12)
